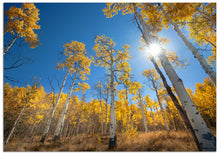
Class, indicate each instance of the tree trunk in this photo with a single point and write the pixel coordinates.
(112, 142)
(10, 45)
(194, 51)
(16, 121)
(61, 120)
(176, 103)
(143, 115)
(46, 130)
(206, 138)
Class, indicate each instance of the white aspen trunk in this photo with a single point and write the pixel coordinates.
(106, 109)
(10, 45)
(208, 69)
(16, 121)
(61, 120)
(177, 104)
(205, 137)
(112, 142)
(143, 116)
(47, 128)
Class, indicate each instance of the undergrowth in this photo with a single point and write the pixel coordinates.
(151, 141)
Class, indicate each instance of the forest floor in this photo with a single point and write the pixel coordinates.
(151, 141)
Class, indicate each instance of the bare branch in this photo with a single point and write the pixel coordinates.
(15, 64)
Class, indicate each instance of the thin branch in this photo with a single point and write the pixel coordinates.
(10, 79)
(15, 65)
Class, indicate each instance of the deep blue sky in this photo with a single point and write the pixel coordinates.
(61, 23)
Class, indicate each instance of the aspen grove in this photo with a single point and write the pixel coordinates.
(111, 88)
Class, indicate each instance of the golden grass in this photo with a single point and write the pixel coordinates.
(151, 141)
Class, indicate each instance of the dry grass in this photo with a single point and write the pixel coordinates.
(152, 141)
(157, 141)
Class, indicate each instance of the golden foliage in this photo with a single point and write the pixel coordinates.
(21, 22)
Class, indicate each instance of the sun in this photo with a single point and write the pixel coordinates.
(155, 49)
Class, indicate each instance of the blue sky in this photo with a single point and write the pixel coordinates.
(62, 22)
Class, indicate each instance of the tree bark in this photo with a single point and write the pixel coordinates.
(46, 130)
(61, 120)
(195, 52)
(206, 138)
(143, 116)
(112, 142)
(10, 45)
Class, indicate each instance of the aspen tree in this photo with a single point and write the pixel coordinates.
(78, 64)
(108, 57)
(49, 121)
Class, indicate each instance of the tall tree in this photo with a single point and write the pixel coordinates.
(49, 121)
(108, 57)
(78, 64)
